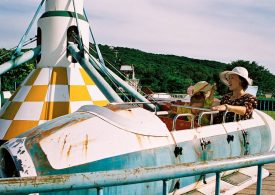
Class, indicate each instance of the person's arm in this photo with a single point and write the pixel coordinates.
(241, 110)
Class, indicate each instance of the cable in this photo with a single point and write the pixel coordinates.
(19, 47)
(31, 40)
(79, 34)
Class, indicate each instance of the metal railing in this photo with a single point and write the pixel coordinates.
(180, 115)
(100, 180)
(266, 104)
(211, 113)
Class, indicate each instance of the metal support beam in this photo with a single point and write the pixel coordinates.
(20, 60)
(105, 88)
(121, 82)
(218, 183)
(165, 187)
(259, 180)
(99, 191)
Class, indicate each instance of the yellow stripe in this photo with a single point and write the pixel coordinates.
(86, 78)
(59, 76)
(37, 93)
(52, 110)
(33, 77)
(11, 110)
(101, 103)
(18, 127)
(79, 93)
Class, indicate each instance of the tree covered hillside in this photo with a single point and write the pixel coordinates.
(162, 73)
(169, 73)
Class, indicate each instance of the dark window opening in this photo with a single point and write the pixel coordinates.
(38, 42)
(72, 36)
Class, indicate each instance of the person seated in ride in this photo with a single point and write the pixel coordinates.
(200, 87)
(208, 91)
(237, 101)
(197, 101)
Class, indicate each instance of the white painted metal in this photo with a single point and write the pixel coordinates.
(53, 5)
(99, 138)
(54, 34)
(270, 125)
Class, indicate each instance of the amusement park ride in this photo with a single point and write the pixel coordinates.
(65, 118)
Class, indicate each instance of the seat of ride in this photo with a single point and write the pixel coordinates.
(181, 124)
(183, 121)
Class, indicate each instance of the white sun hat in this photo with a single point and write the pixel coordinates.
(241, 71)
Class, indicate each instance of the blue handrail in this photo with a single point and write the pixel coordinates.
(99, 180)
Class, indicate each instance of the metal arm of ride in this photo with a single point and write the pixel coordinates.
(96, 46)
(80, 42)
(110, 94)
(20, 60)
(121, 83)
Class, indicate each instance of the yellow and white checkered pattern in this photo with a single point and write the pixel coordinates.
(45, 94)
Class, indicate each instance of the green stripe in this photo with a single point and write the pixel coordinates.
(63, 14)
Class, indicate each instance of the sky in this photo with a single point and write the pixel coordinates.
(220, 30)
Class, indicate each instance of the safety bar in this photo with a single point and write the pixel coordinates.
(206, 113)
(99, 180)
(191, 107)
(224, 116)
(179, 115)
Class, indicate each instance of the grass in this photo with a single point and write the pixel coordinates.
(271, 113)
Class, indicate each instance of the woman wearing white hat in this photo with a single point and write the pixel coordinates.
(237, 102)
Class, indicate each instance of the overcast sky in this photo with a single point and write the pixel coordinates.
(222, 30)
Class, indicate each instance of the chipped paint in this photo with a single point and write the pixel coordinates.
(22, 159)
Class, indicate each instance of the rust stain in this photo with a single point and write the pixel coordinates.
(139, 140)
(37, 134)
(67, 124)
(85, 144)
(64, 143)
(69, 151)
(58, 141)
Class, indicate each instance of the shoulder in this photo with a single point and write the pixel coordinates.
(249, 96)
(250, 99)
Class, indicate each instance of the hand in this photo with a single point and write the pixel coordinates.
(219, 108)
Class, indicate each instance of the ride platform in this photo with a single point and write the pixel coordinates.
(268, 186)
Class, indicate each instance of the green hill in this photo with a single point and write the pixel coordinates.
(170, 73)
(162, 73)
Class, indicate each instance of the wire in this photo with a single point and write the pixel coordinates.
(79, 34)
(31, 40)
